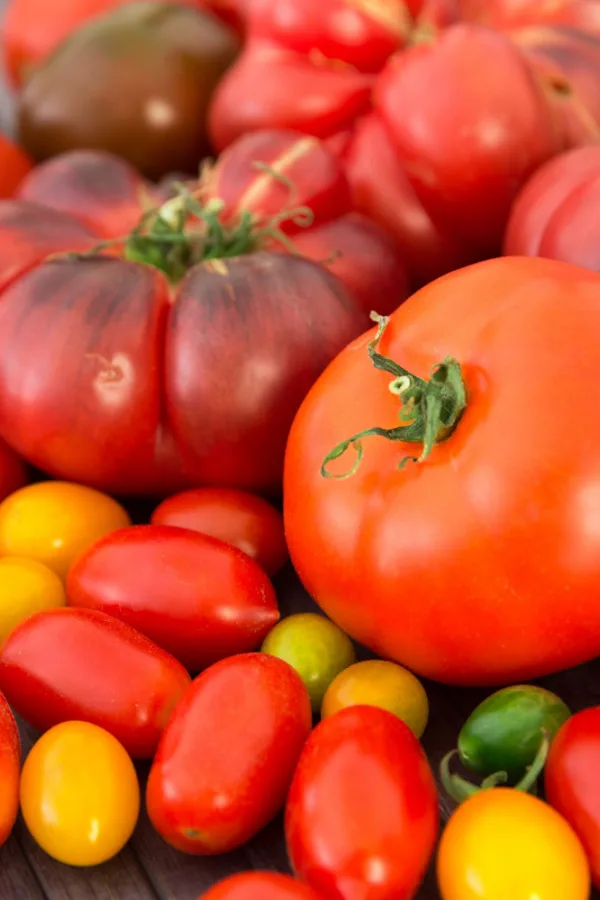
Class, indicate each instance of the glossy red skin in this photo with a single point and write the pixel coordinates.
(69, 664)
(257, 91)
(102, 191)
(360, 34)
(226, 759)
(466, 537)
(359, 252)
(31, 32)
(381, 189)
(468, 146)
(259, 886)
(193, 595)
(146, 368)
(10, 770)
(361, 817)
(14, 166)
(555, 215)
(572, 780)
(242, 520)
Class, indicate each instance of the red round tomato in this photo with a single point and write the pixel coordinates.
(10, 770)
(555, 215)
(362, 813)
(195, 596)
(153, 339)
(259, 886)
(102, 191)
(77, 664)
(13, 471)
(431, 563)
(227, 756)
(243, 520)
(283, 176)
(572, 780)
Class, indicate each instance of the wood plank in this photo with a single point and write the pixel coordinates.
(17, 881)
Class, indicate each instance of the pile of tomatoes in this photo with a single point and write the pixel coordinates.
(104, 627)
(307, 282)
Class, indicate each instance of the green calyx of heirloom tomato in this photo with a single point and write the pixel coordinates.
(184, 232)
(460, 789)
(430, 409)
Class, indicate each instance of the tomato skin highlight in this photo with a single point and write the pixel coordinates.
(193, 595)
(10, 770)
(572, 780)
(226, 759)
(502, 842)
(259, 886)
(361, 818)
(465, 536)
(239, 518)
(66, 664)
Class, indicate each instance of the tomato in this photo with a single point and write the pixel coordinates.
(259, 886)
(26, 587)
(503, 843)
(10, 770)
(241, 519)
(80, 796)
(376, 682)
(468, 183)
(572, 780)
(362, 814)
(31, 32)
(151, 344)
(554, 215)
(53, 522)
(102, 191)
(226, 759)
(64, 664)
(316, 648)
(149, 72)
(276, 173)
(465, 536)
(512, 13)
(193, 595)
(14, 166)
(503, 734)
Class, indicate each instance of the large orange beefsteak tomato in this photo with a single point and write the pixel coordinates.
(480, 563)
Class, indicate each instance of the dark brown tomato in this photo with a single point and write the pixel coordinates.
(195, 596)
(136, 82)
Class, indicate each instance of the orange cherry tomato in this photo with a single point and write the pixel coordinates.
(55, 521)
(80, 796)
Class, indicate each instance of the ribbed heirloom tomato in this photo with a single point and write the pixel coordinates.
(492, 538)
(178, 357)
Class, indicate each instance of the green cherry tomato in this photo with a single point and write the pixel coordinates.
(316, 648)
(504, 732)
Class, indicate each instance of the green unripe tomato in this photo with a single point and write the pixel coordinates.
(503, 734)
(316, 648)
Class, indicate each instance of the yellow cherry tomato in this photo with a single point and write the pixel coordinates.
(80, 796)
(379, 683)
(26, 587)
(54, 521)
(315, 647)
(503, 844)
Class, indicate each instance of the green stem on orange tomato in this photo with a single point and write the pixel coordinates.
(430, 409)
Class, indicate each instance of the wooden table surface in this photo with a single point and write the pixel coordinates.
(148, 869)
